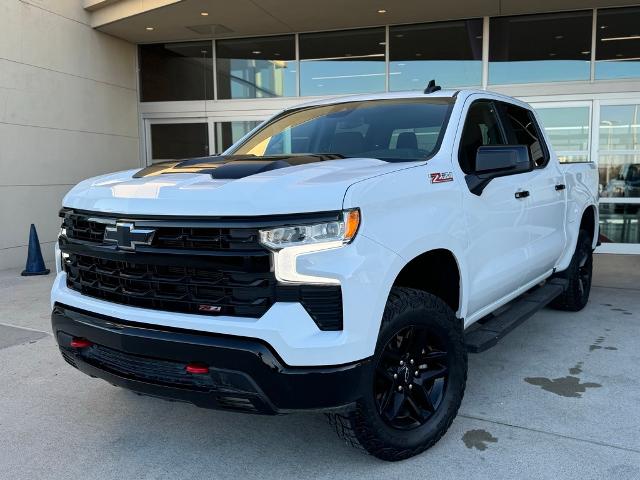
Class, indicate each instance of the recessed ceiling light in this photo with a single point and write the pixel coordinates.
(256, 52)
(552, 54)
(204, 14)
(559, 37)
(400, 35)
(418, 54)
(382, 43)
(618, 54)
(276, 54)
(478, 37)
(603, 27)
(586, 52)
(382, 10)
(149, 29)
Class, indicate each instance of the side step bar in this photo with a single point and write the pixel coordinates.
(495, 327)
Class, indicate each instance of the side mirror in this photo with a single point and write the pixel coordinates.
(494, 161)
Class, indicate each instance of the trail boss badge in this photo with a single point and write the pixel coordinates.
(441, 177)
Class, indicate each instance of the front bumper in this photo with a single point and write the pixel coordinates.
(244, 374)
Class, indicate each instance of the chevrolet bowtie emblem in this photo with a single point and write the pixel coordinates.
(126, 237)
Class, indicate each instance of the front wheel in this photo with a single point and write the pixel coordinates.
(418, 382)
(579, 274)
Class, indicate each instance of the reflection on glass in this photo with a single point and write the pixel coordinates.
(572, 158)
(228, 133)
(450, 52)
(618, 43)
(176, 71)
(619, 175)
(566, 127)
(620, 127)
(540, 48)
(171, 141)
(335, 63)
(619, 223)
(256, 67)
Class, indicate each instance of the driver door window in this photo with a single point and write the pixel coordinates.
(482, 127)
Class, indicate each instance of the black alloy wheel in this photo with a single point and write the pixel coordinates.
(411, 377)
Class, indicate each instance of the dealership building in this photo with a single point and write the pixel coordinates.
(93, 86)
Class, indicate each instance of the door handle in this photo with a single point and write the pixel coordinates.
(522, 194)
(560, 186)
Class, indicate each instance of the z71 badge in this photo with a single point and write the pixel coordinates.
(441, 177)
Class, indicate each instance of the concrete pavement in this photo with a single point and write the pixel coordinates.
(558, 398)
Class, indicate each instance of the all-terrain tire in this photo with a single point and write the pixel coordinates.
(362, 426)
(579, 274)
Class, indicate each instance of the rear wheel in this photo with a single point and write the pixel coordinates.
(579, 274)
(416, 388)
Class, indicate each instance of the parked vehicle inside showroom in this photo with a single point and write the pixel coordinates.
(342, 257)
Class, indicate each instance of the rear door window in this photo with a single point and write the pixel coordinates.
(522, 129)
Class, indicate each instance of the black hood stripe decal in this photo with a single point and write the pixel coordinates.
(232, 166)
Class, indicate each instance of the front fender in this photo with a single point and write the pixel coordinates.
(408, 214)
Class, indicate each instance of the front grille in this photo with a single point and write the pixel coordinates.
(191, 266)
(90, 228)
(214, 291)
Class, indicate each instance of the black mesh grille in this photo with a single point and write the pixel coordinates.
(208, 291)
(88, 228)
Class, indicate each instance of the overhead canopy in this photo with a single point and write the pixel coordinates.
(163, 20)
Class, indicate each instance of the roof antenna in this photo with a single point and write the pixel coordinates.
(432, 87)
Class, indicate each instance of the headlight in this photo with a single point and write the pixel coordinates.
(343, 230)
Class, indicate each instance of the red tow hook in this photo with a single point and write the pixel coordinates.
(80, 343)
(197, 368)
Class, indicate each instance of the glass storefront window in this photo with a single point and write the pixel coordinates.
(176, 71)
(227, 133)
(540, 48)
(618, 43)
(568, 131)
(171, 141)
(334, 63)
(450, 52)
(256, 67)
(619, 223)
(619, 175)
(620, 127)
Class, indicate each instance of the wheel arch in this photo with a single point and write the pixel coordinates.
(589, 222)
(436, 271)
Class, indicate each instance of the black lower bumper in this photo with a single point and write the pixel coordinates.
(244, 374)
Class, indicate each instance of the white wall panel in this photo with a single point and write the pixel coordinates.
(68, 111)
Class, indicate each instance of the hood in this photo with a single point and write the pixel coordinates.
(241, 187)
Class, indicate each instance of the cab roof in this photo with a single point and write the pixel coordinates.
(448, 93)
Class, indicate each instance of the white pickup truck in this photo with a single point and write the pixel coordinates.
(344, 257)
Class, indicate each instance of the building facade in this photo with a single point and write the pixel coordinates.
(190, 77)
(68, 110)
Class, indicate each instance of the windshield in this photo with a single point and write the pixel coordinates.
(391, 130)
